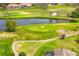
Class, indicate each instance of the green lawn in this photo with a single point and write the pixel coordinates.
(28, 47)
(36, 13)
(6, 46)
(39, 32)
(43, 31)
(67, 43)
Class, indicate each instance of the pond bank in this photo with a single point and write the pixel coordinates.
(31, 21)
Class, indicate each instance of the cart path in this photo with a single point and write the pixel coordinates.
(45, 41)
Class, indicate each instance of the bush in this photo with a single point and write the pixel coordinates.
(10, 26)
(62, 36)
(77, 41)
(22, 54)
(75, 14)
(73, 21)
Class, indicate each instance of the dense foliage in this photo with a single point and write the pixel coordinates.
(10, 25)
(22, 54)
(75, 13)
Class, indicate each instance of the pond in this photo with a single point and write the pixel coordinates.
(30, 21)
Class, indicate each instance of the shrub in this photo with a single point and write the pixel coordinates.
(22, 54)
(77, 41)
(73, 21)
(75, 14)
(62, 36)
(10, 26)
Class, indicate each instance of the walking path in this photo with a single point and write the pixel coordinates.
(45, 41)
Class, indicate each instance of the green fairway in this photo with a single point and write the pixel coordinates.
(67, 43)
(43, 31)
(34, 32)
(41, 48)
(34, 12)
(24, 35)
(39, 32)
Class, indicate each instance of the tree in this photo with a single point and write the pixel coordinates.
(77, 41)
(75, 14)
(3, 5)
(22, 54)
(11, 25)
(75, 5)
(42, 6)
(62, 36)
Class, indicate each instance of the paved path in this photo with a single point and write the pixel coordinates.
(45, 41)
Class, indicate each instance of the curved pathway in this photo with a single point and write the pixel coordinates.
(45, 41)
